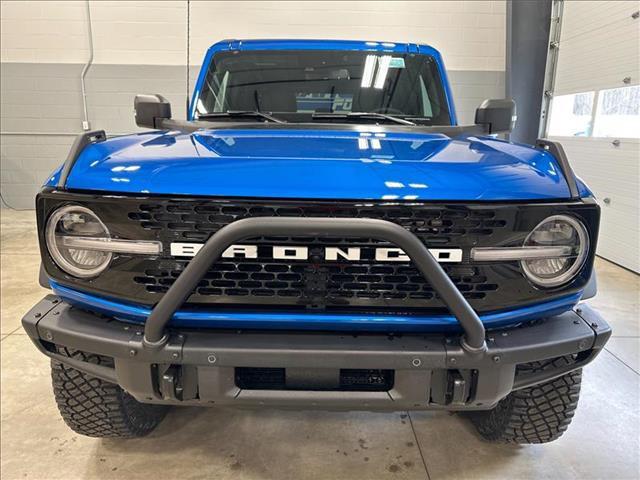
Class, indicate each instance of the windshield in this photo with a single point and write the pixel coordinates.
(294, 85)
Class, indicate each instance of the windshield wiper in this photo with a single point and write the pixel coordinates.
(419, 119)
(239, 113)
(358, 115)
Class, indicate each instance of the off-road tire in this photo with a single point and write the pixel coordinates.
(96, 408)
(538, 414)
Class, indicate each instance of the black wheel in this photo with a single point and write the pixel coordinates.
(90, 406)
(537, 414)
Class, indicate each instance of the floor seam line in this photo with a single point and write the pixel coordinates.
(7, 335)
(415, 436)
(622, 361)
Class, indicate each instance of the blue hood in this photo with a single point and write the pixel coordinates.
(367, 164)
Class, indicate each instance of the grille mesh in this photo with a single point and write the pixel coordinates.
(270, 279)
(316, 283)
(434, 225)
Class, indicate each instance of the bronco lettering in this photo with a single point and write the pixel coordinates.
(293, 252)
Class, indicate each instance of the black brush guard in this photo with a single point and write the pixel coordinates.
(473, 340)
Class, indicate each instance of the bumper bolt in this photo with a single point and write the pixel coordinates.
(37, 315)
(582, 345)
(211, 359)
(48, 335)
(416, 362)
(452, 360)
(594, 325)
(496, 359)
(174, 355)
(132, 353)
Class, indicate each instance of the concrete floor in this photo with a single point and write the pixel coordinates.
(602, 442)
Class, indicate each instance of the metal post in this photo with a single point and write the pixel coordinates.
(85, 123)
(551, 67)
(528, 25)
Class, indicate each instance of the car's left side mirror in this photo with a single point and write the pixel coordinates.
(150, 110)
(497, 115)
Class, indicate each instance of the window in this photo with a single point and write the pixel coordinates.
(571, 115)
(295, 84)
(618, 113)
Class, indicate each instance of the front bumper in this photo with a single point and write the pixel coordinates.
(201, 367)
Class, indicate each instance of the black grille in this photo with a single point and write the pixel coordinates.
(336, 282)
(194, 221)
(316, 283)
(339, 286)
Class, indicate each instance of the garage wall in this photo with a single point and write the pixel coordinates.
(138, 47)
(600, 46)
(144, 46)
(599, 51)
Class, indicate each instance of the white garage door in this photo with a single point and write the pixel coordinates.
(595, 113)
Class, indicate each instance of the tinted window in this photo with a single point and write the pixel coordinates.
(306, 82)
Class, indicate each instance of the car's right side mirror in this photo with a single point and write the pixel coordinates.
(150, 110)
(497, 115)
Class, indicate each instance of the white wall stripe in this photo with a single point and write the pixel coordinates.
(471, 35)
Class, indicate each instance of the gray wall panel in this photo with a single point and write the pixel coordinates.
(112, 88)
(470, 88)
(46, 98)
(40, 97)
(25, 163)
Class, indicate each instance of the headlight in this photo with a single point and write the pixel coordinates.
(81, 245)
(80, 222)
(557, 231)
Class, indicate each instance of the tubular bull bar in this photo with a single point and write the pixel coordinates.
(473, 340)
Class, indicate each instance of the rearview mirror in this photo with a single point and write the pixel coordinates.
(497, 115)
(150, 110)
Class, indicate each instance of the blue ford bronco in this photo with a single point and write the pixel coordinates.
(319, 233)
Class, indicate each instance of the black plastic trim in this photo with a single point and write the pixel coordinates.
(188, 126)
(78, 146)
(556, 149)
(43, 278)
(97, 194)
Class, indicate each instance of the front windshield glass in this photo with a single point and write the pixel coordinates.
(295, 85)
